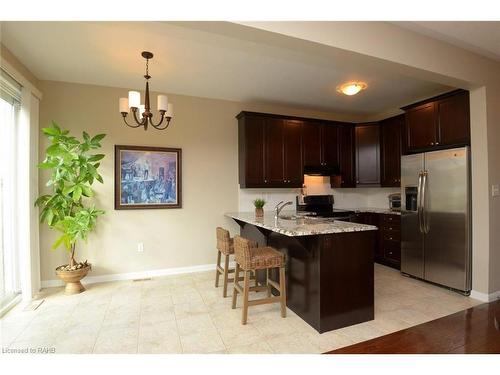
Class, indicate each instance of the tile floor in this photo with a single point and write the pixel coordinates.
(186, 314)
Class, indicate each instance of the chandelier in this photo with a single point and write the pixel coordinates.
(142, 113)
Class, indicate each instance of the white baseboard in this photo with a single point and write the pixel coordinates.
(484, 297)
(135, 275)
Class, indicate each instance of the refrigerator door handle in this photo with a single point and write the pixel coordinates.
(425, 223)
(419, 202)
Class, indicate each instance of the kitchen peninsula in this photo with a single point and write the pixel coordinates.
(329, 265)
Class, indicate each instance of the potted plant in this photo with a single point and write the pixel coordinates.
(67, 209)
(259, 207)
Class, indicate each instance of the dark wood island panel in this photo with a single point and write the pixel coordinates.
(329, 277)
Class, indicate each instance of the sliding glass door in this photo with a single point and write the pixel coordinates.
(10, 96)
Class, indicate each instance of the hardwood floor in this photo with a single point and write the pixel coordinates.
(475, 330)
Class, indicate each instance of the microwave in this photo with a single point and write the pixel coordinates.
(395, 202)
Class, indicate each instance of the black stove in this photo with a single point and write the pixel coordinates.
(322, 206)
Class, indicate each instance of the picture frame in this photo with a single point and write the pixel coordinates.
(147, 177)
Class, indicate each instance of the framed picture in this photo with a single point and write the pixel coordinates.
(147, 177)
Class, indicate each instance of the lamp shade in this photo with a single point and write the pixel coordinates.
(162, 102)
(123, 105)
(134, 99)
(170, 110)
(142, 108)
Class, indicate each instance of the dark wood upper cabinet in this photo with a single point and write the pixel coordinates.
(320, 144)
(454, 119)
(437, 123)
(390, 151)
(330, 145)
(346, 158)
(270, 152)
(275, 152)
(311, 142)
(421, 129)
(367, 141)
(294, 171)
(251, 150)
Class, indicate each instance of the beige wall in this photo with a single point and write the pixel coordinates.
(426, 58)
(206, 131)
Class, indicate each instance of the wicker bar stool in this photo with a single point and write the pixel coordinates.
(224, 247)
(250, 258)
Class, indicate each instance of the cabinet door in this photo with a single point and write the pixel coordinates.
(390, 151)
(275, 153)
(330, 145)
(294, 172)
(311, 141)
(367, 154)
(421, 131)
(251, 151)
(346, 155)
(454, 120)
(375, 219)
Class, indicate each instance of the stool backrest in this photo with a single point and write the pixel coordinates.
(242, 250)
(223, 240)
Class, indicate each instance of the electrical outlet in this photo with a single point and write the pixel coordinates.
(495, 191)
(140, 247)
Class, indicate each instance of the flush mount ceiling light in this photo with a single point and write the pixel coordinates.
(351, 88)
(133, 103)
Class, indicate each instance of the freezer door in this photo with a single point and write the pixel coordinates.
(412, 244)
(447, 218)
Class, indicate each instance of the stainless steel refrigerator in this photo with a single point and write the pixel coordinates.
(436, 217)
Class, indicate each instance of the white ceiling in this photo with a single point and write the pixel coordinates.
(194, 61)
(482, 38)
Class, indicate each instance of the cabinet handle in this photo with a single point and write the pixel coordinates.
(437, 143)
(265, 181)
(432, 143)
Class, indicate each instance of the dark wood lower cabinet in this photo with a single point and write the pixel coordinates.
(387, 248)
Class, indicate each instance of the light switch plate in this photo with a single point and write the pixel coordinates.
(495, 190)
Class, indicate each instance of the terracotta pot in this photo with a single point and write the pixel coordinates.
(259, 212)
(72, 279)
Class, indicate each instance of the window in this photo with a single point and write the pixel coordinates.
(10, 99)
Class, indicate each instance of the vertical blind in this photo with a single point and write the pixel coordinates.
(10, 104)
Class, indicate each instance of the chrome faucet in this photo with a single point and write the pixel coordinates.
(279, 207)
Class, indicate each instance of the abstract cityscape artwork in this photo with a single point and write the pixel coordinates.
(147, 177)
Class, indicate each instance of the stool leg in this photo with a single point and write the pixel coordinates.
(267, 283)
(283, 292)
(217, 273)
(226, 271)
(236, 282)
(245, 296)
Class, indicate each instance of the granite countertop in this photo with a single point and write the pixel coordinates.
(303, 226)
(375, 210)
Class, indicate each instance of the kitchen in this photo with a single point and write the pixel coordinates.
(356, 246)
(323, 157)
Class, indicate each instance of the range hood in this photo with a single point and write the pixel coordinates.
(321, 170)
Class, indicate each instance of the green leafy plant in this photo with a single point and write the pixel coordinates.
(259, 203)
(74, 167)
